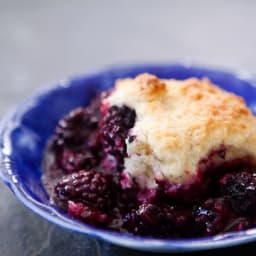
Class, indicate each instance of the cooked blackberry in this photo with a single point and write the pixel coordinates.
(241, 190)
(75, 127)
(71, 161)
(75, 142)
(157, 221)
(212, 216)
(88, 187)
(87, 214)
(127, 191)
(113, 132)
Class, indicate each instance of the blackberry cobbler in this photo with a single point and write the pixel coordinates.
(157, 158)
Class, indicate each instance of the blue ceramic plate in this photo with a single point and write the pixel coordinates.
(25, 130)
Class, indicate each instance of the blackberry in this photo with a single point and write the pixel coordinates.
(241, 191)
(114, 130)
(71, 161)
(75, 144)
(212, 216)
(87, 214)
(127, 191)
(91, 188)
(153, 220)
(74, 128)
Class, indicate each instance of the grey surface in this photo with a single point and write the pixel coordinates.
(41, 41)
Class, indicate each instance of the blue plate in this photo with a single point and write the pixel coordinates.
(25, 130)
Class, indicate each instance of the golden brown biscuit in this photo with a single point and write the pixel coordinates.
(178, 123)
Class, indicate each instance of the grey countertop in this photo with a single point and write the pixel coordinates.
(42, 41)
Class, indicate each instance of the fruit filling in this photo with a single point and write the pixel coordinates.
(114, 164)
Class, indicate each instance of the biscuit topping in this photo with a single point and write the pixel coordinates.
(178, 123)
